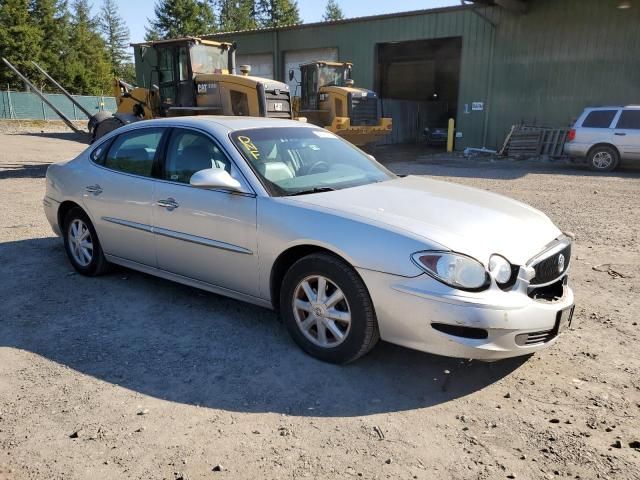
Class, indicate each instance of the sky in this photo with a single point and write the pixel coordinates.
(136, 12)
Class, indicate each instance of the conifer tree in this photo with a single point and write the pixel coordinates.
(332, 12)
(278, 13)
(20, 40)
(180, 18)
(235, 15)
(88, 63)
(51, 17)
(116, 37)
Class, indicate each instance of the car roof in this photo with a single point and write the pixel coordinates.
(218, 122)
(609, 107)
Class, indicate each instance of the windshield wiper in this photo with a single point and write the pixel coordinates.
(311, 190)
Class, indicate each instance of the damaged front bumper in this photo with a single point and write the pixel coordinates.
(423, 314)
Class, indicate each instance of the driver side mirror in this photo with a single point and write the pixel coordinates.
(292, 75)
(215, 178)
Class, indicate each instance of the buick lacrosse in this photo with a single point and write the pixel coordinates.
(291, 217)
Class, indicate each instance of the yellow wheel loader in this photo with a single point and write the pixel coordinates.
(329, 99)
(192, 76)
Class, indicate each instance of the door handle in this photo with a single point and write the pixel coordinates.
(169, 203)
(620, 134)
(94, 189)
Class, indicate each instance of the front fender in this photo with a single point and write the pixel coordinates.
(364, 245)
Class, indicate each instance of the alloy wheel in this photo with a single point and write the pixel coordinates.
(321, 311)
(80, 242)
(602, 160)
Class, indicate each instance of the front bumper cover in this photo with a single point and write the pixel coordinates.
(406, 308)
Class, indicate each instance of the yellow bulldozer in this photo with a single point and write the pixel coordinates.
(329, 99)
(192, 76)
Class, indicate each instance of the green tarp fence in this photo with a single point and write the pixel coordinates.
(27, 106)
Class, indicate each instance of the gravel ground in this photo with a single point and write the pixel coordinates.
(130, 376)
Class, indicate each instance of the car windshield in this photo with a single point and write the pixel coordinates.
(208, 59)
(299, 160)
(333, 76)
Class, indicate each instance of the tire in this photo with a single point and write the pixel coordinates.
(105, 126)
(95, 264)
(603, 158)
(299, 309)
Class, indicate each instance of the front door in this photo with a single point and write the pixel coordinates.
(119, 193)
(204, 234)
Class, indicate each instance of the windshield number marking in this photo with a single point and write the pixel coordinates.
(323, 134)
(251, 148)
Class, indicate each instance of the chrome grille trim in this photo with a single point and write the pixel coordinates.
(551, 250)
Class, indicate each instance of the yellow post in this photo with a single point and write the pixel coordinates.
(452, 128)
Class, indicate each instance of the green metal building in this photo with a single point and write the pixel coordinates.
(489, 64)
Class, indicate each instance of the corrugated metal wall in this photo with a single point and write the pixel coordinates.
(27, 106)
(356, 42)
(560, 57)
(543, 67)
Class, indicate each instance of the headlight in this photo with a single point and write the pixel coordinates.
(500, 268)
(453, 269)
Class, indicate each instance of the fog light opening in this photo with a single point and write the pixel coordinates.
(460, 331)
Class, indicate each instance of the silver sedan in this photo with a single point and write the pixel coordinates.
(291, 217)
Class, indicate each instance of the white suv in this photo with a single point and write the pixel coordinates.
(606, 136)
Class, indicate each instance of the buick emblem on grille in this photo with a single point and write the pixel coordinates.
(560, 263)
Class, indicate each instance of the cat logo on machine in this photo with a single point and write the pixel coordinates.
(204, 88)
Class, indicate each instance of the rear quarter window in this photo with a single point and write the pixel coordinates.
(599, 119)
(100, 152)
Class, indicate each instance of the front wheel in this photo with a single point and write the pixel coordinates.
(327, 309)
(603, 159)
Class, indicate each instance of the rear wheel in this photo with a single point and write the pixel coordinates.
(603, 158)
(82, 244)
(327, 309)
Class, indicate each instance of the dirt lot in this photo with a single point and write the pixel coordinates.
(129, 376)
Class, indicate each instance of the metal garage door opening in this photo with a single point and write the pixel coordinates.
(418, 82)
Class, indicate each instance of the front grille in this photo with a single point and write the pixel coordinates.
(551, 268)
(278, 104)
(364, 111)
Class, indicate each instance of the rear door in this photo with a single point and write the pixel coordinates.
(596, 127)
(627, 134)
(119, 193)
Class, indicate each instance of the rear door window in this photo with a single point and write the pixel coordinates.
(134, 152)
(599, 119)
(629, 119)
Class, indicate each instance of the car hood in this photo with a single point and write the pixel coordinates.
(459, 218)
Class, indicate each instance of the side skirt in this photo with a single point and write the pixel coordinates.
(189, 281)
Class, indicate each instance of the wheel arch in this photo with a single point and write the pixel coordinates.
(64, 208)
(603, 144)
(286, 259)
